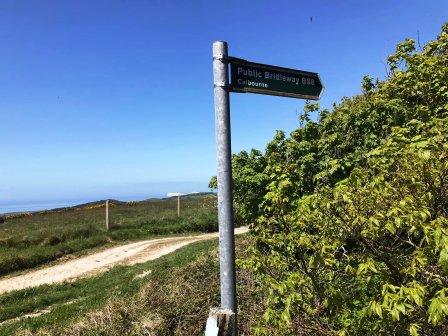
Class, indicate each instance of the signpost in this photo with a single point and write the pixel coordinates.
(246, 77)
(273, 80)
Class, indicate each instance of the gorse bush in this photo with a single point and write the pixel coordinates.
(350, 213)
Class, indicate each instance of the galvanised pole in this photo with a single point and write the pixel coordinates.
(225, 197)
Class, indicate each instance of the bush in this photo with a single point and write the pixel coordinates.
(369, 256)
(351, 224)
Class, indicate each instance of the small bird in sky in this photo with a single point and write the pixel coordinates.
(311, 19)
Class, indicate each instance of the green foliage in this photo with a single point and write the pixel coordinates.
(369, 255)
(350, 211)
(213, 183)
(249, 184)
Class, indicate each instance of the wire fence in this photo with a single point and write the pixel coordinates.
(154, 215)
(174, 210)
(120, 214)
(29, 239)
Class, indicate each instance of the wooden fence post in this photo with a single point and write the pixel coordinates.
(220, 322)
(178, 206)
(107, 215)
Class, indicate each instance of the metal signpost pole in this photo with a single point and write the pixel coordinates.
(225, 197)
(255, 78)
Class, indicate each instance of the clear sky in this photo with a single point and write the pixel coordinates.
(108, 97)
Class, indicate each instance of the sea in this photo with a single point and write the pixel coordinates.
(28, 206)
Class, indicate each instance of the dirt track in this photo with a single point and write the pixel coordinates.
(128, 254)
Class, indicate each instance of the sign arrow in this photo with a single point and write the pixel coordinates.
(273, 80)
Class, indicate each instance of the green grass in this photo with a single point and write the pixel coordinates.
(174, 299)
(35, 239)
(90, 293)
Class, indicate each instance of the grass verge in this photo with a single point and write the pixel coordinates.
(173, 299)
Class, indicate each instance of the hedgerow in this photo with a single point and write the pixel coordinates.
(350, 212)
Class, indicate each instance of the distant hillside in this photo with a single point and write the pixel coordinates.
(30, 239)
(91, 205)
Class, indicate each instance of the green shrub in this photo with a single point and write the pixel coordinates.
(369, 256)
(351, 214)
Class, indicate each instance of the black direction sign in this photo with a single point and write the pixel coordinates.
(272, 80)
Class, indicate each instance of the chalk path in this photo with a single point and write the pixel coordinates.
(128, 254)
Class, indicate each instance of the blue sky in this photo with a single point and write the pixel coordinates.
(106, 98)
